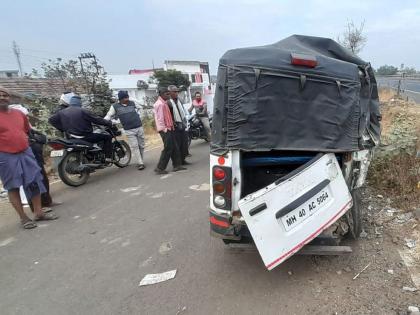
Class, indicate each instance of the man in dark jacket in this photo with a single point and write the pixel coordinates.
(180, 121)
(77, 123)
(129, 115)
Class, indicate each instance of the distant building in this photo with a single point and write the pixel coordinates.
(33, 86)
(198, 74)
(9, 73)
(138, 84)
(142, 88)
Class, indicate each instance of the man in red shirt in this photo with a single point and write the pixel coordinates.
(18, 166)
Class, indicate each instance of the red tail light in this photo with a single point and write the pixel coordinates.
(304, 60)
(219, 173)
(222, 187)
(56, 146)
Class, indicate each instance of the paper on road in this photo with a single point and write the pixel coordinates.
(157, 277)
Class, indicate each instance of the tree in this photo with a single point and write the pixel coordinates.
(353, 38)
(387, 70)
(86, 78)
(171, 77)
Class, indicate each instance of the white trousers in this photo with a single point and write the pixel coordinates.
(135, 139)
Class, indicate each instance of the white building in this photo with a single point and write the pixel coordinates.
(139, 86)
(142, 88)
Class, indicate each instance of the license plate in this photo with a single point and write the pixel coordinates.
(57, 153)
(300, 214)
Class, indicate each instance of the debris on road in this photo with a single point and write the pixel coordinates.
(165, 247)
(157, 278)
(181, 310)
(131, 189)
(202, 187)
(409, 289)
(356, 276)
(410, 243)
(7, 241)
(390, 271)
(413, 310)
(363, 234)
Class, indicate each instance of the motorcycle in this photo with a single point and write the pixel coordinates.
(75, 159)
(196, 129)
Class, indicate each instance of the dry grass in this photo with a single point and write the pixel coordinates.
(397, 177)
(396, 172)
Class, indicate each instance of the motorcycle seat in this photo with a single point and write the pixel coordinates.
(74, 141)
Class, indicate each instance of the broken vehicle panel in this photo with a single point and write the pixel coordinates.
(289, 213)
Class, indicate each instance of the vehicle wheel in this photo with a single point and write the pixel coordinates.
(189, 140)
(69, 162)
(354, 216)
(119, 147)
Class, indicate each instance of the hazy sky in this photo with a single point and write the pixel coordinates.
(129, 34)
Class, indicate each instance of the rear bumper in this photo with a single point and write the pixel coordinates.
(221, 227)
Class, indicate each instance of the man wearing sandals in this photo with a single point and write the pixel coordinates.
(18, 166)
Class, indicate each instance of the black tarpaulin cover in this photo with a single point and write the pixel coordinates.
(263, 102)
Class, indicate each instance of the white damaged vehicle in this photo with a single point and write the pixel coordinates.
(294, 127)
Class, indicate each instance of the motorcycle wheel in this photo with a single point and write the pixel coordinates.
(126, 159)
(73, 180)
(189, 140)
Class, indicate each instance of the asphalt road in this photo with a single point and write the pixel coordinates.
(410, 87)
(124, 224)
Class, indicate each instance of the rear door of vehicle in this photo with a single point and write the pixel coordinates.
(291, 212)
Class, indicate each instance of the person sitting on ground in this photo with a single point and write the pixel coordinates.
(18, 166)
(165, 127)
(200, 107)
(77, 122)
(128, 114)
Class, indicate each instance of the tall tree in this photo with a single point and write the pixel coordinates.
(352, 38)
(171, 77)
(86, 77)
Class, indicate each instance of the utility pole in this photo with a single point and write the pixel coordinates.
(16, 51)
(88, 56)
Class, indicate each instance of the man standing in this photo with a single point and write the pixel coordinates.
(200, 107)
(180, 122)
(37, 140)
(18, 166)
(77, 122)
(165, 127)
(129, 115)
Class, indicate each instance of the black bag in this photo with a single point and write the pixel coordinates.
(36, 136)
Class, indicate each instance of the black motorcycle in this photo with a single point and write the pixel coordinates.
(75, 159)
(196, 129)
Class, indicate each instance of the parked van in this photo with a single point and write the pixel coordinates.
(294, 128)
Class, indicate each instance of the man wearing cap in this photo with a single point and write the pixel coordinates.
(18, 166)
(180, 122)
(128, 114)
(77, 122)
(165, 127)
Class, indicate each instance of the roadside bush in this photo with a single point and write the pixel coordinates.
(397, 177)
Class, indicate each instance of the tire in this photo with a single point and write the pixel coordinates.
(354, 216)
(127, 154)
(189, 139)
(67, 178)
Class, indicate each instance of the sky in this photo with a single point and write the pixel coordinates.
(134, 34)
